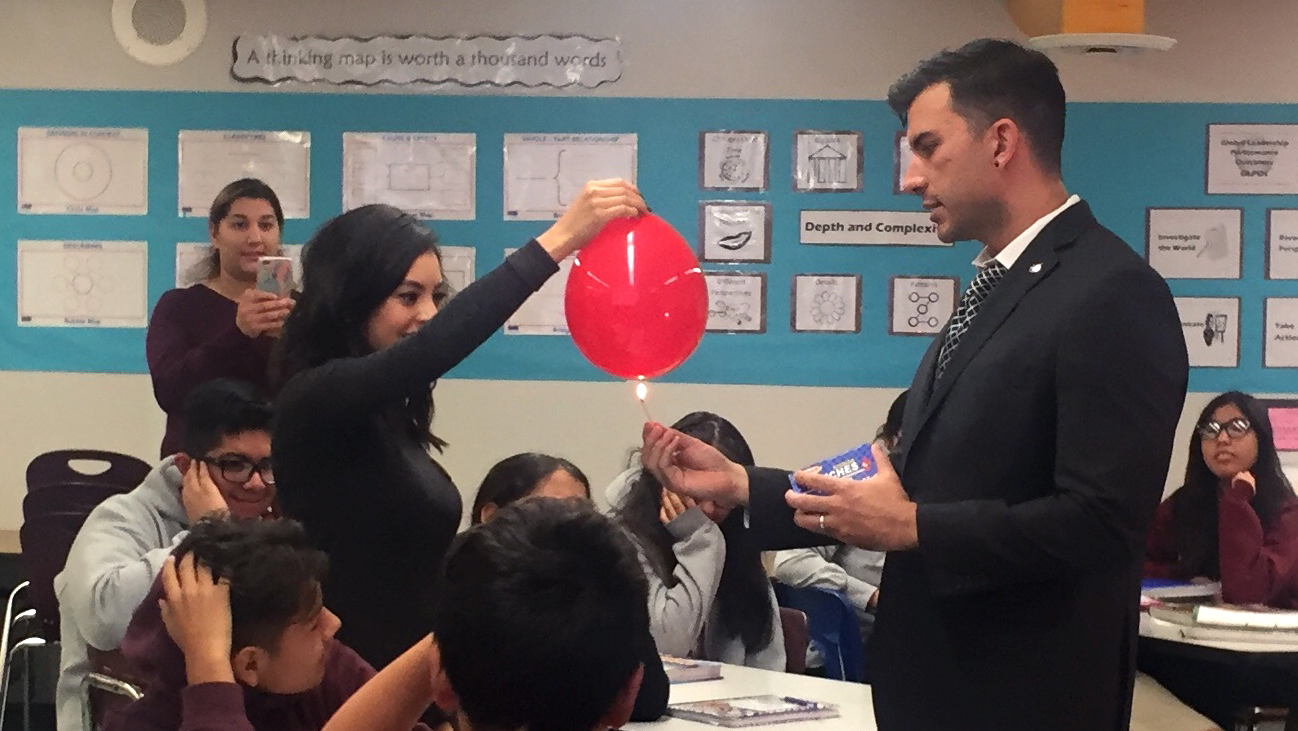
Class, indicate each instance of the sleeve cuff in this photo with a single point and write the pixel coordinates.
(533, 264)
(687, 523)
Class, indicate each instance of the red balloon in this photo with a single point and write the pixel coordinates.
(636, 300)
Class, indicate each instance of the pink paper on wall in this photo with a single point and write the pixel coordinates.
(1284, 420)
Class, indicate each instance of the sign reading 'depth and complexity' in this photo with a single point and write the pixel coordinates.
(548, 60)
(869, 228)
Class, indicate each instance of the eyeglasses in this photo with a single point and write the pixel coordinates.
(1235, 428)
(238, 469)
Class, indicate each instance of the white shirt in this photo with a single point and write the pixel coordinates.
(1014, 249)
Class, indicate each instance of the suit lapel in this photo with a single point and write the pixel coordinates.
(1036, 263)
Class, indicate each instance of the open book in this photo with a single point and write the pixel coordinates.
(682, 670)
(754, 710)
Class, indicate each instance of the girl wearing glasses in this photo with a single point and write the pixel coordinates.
(1235, 520)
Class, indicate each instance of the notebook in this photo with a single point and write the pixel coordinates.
(757, 710)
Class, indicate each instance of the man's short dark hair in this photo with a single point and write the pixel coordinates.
(541, 617)
(221, 408)
(993, 79)
(273, 570)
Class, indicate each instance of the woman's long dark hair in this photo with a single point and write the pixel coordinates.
(743, 602)
(514, 478)
(1194, 506)
(349, 268)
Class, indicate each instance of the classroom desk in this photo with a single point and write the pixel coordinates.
(1167, 637)
(852, 699)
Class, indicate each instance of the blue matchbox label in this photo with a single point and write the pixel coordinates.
(855, 464)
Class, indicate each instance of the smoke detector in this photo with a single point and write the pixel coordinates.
(1100, 44)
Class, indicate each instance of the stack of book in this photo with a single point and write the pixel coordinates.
(1274, 628)
(757, 710)
(683, 670)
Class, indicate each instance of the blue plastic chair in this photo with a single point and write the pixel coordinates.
(833, 627)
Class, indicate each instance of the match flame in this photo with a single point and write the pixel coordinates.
(641, 390)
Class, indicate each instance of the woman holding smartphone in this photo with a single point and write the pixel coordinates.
(366, 341)
(222, 326)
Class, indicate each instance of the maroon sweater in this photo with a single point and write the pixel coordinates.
(1257, 566)
(192, 339)
(170, 704)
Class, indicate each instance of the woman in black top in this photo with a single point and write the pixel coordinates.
(362, 350)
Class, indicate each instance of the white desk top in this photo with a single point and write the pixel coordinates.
(852, 699)
(1163, 630)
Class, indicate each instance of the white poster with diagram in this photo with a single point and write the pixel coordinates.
(1211, 327)
(734, 231)
(192, 258)
(1252, 159)
(458, 263)
(827, 162)
(1281, 348)
(83, 283)
(1195, 243)
(545, 172)
(733, 160)
(428, 175)
(211, 160)
(736, 302)
(543, 313)
(829, 303)
(920, 305)
(86, 170)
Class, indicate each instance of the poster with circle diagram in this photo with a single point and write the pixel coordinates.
(1194, 243)
(734, 231)
(83, 283)
(1252, 159)
(827, 162)
(733, 160)
(901, 156)
(736, 302)
(920, 305)
(1211, 327)
(83, 170)
(829, 303)
(190, 256)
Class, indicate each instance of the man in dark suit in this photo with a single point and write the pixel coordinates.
(1036, 439)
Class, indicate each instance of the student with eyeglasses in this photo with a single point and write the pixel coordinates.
(223, 468)
(1235, 520)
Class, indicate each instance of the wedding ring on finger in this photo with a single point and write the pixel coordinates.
(822, 522)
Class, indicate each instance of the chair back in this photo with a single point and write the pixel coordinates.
(59, 498)
(113, 684)
(833, 628)
(794, 624)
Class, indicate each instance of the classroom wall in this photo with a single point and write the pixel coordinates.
(838, 49)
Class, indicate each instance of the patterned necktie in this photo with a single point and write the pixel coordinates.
(981, 286)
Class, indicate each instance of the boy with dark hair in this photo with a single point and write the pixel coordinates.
(225, 467)
(539, 626)
(234, 636)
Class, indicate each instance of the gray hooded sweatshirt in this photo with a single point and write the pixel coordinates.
(111, 567)
(684, 618)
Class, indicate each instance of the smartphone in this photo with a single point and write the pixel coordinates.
(275, 275)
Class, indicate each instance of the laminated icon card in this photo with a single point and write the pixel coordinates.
(757, 710)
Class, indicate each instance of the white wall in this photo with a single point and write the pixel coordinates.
(1237, 51)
